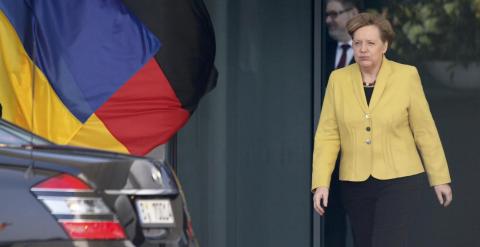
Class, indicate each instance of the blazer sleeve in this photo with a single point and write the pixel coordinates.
(426, 135)
(327, 141)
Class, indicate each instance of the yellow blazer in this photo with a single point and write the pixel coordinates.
(379, 139)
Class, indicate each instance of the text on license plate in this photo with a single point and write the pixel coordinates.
(155, 211)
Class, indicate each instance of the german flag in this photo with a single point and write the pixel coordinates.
(117, 75)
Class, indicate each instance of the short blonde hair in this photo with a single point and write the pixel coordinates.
(367, 19)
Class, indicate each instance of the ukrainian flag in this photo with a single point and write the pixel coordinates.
(86, 72)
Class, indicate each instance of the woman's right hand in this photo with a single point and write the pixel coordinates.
(320, 200)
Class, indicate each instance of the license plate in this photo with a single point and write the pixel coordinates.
(155, 212)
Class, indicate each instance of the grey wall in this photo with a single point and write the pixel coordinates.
(244, 157)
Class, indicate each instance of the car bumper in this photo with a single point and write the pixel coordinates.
(121, 243)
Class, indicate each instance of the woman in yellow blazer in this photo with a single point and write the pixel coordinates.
(376, 115)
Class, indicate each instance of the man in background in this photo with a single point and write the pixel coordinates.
(339, 43)
(339, 53)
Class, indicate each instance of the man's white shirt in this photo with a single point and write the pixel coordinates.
(338, 52)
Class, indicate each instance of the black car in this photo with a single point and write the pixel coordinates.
(53, 195)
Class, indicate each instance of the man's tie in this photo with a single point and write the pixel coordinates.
(343, 59)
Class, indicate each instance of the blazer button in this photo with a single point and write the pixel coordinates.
(368, 128)
(367, 116)
(368, 141)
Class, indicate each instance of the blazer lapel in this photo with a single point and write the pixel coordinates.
(381, 83)
(357, 84)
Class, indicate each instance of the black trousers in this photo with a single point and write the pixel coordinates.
(380, 211)
(335, 218)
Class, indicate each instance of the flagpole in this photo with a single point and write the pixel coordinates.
(29, 173)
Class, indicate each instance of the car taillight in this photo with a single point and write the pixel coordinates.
(94, 229)
(78, 209)
(63, 182)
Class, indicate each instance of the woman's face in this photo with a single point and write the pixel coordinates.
(368, 47)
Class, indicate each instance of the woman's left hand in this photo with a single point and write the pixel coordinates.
(444, 194)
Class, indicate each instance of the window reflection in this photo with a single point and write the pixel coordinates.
(9, 139)
(13, 136)
(441, 35)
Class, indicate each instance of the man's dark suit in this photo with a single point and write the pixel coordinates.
(330, 53)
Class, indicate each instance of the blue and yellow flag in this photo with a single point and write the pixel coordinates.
(89, 73)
